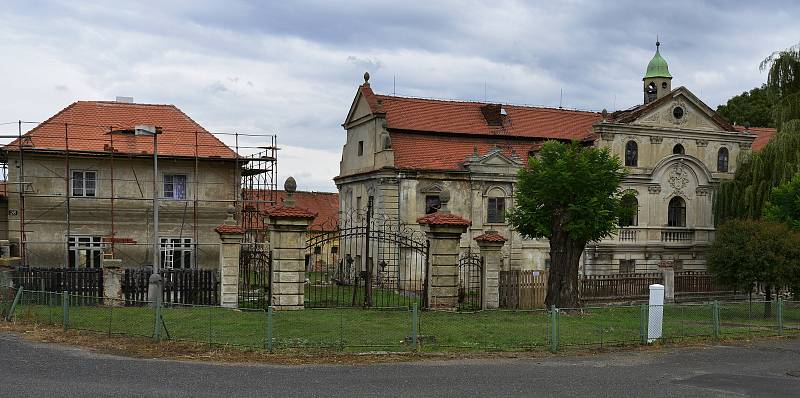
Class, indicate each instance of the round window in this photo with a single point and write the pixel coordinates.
(677, 112)
(664, 85)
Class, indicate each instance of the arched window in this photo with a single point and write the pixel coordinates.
(633, 219)
(678, 149)
(676, 213)
(722, 160)
(631, 154)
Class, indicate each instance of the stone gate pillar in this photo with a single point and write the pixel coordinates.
(287, 239)
(230, 235)
(490, 244)
(443, 230)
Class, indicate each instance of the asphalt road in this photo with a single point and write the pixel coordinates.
(765, 369)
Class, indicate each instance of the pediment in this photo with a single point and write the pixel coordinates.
(679, 109)
(361, 108)
(497, 159)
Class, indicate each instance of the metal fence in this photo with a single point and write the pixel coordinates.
(402, 329)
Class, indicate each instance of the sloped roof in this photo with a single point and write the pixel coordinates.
(763, 135)
(467, 118)
(324, 204)
(87, 126)
(448, 152)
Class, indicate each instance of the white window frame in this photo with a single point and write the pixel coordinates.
(87, 244)
(178, 247)
(171, 182)
(84, 191)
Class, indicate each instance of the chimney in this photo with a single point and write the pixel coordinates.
(125, 100)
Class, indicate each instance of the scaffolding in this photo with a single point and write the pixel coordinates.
(36, 172)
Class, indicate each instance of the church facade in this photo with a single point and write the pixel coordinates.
(401, 152)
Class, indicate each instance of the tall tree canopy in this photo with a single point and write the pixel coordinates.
(779, 160)
(747, 252)
(784, 203)
(571, 195)
(783, 83)
(753, 108)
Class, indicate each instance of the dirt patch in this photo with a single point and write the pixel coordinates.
(141, 347)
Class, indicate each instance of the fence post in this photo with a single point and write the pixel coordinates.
(553, 328)
(779, 315)
(269, 329)
(715, 318)
(643, 320)
(414, 323)
(157, 327)
(13, 308)
(65, 309)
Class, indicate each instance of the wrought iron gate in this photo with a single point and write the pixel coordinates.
(470, 281)
(255, 270)
(365, 260)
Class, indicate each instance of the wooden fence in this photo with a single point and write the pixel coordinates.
(86, 282)
(181, 286)
(698, 282)
(522, 289)
(618, 286)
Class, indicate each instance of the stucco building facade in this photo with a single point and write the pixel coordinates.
(402, 152)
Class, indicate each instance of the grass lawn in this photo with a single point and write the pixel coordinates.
(390, 329)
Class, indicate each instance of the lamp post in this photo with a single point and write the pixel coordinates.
(154, 291)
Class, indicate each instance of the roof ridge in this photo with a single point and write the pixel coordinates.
(463, 101)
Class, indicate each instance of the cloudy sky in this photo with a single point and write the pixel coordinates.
(292, 67)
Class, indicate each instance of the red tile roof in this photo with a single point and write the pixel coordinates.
(440, 218)
(87, 124)
(490, 236)
(441, 152)
(289, 211)
(324, 204)
(427, 115)
(229, 229)
(764, 134)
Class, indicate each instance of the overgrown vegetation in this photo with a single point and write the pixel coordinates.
(571, 195)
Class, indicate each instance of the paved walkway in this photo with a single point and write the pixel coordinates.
(765, 369)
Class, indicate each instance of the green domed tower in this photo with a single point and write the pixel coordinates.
(657, 80)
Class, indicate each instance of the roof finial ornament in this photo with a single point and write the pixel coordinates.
(366, 77)
(658, 43)
(290, 186)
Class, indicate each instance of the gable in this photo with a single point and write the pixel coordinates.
(364, 104)
(678, 109)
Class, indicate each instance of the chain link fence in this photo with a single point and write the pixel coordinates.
(400, 329)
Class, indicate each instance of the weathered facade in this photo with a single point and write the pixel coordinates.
(80, 188)
(403, 151)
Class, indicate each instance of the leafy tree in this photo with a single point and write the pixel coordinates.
(753, 108)
(783, 83)
(571, 195)
(784, 203)
(779, 160)
(748, 252)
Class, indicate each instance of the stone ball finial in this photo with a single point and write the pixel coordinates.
(231, 210)
(366, 77)
(444, 197)
(290, 186)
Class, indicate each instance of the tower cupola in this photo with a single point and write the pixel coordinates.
(657, 80)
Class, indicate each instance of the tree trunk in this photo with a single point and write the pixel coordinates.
(562, 281)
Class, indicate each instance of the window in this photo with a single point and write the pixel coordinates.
(360, 148)
(678, 149)
(676, 213)
(358, 203)
(496, 210)
(84, 183)
(85, 251)
(547, 263)
(633, 220)
(631, 154)
(627, 266)
(432, 204)
(175, 186)
(677, 112)
(722, 160)
(176, 253)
